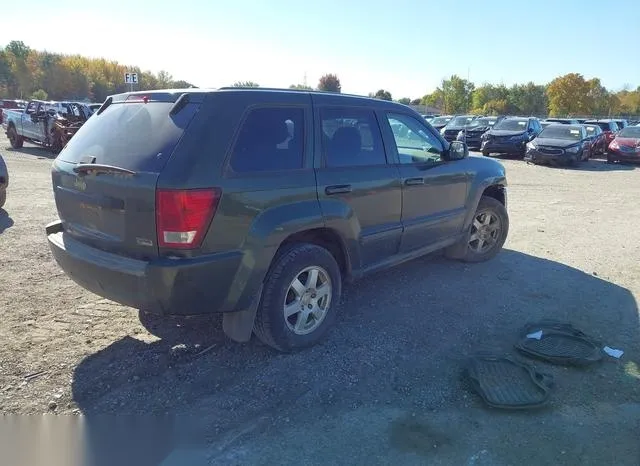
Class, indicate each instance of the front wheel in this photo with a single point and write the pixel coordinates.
(300, 298)
(15, 140)
(3, 197)
(487, 234)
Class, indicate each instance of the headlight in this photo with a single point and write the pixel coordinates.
(460, 136)
(614, 144)
(442, 131)
(573, 149)
(485, 136)
(531, 145)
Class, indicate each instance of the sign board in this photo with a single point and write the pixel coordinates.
(131, 78)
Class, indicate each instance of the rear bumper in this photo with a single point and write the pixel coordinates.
(165, 286)
(624, 156)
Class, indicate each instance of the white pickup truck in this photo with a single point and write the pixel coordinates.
(44, 123)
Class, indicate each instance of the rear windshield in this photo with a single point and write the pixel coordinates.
(440, 120)
(511, 125)
(131, 135)
(630, 132)
(561, 132)
(606, 126)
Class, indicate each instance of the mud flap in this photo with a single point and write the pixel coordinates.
(238, 326)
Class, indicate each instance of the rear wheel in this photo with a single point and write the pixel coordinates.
(3, 197)
(15, 140)
(300, 298)
(487, 234)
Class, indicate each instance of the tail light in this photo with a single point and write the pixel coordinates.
(183, 216)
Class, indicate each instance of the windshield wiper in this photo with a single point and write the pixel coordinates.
(84, 168)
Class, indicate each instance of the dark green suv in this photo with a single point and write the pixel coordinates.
(261, 203)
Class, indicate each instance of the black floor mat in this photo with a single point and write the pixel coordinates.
(505, 383)
(560, 343)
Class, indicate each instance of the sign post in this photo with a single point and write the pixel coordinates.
(131, 79)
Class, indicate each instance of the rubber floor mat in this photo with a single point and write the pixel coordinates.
(505, 383)
(559, 343)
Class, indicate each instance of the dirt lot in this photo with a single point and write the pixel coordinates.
(386, 386)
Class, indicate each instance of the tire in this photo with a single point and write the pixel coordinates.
(15, 140)
(297, 262)
(3, 197)
(466, 250)
(485, 153)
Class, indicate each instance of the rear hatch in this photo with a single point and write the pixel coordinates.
(105, 179)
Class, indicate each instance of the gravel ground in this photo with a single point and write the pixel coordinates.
(386, 386)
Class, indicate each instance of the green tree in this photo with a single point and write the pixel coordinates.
(301, 87)
(181, 84)
(528, 99)
(486, 93)
(246, 84)
(435, 99)
(40, 95)
(405, 100)
(164, 80)
(569, 95)
(416, 101)
(456, 94)
(382, 95)
(329, 83)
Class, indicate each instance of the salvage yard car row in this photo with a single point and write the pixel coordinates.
(555, 140)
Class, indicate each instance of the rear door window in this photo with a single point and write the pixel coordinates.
(270, 139)
(351, 138)
(133, 135)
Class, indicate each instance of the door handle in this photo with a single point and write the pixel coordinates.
(414, 181)
(337, 189)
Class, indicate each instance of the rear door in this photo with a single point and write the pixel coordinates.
(354, 180)
(105, 179)
(434, 190)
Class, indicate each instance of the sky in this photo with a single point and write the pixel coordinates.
(406, 47)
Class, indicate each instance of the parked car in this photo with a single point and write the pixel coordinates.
(457, 123)
(597, 139)
(625, 146)
(8, 104)
(4, 181)
(94, 107)
(609, 128)
(49, 124)
(510, 136)
(559, 144)
(441, 121)
(565, 121)
(621, 123)
(161, 213)
(472, 133)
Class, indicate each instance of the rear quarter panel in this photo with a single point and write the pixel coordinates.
(257, 211)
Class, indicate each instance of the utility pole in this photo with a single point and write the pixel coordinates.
(304, 80)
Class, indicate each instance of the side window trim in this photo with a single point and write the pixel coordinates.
(321, 150)
(307, 142)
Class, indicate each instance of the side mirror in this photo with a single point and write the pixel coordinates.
(458, 150)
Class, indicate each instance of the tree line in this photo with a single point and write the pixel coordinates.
(28, 73)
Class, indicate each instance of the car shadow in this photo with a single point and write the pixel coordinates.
(588, 166)
(35, 151)
(398, 333)
(6, 221)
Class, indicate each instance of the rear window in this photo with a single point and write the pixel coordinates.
(270, 139)
(133, 135)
